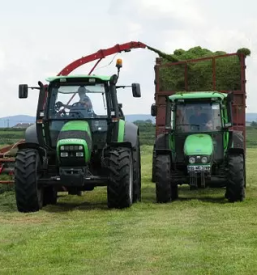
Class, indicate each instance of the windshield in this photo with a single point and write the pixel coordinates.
(72, 101)
(198, 117)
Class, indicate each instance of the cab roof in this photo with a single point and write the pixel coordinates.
(196, 95)
(100, 77)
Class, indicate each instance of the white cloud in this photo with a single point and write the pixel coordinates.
(34, 48)
(2, 60)
(182, 10)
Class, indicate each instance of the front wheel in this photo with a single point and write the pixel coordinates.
(29, 197)
(163, 179)
(120, 186)
(235, 190)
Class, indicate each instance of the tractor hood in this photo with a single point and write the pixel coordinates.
(198, 144)
(74, 143)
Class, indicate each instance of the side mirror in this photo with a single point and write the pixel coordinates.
(120, 105)
(153, 110)
(136, 90)
(23, 91)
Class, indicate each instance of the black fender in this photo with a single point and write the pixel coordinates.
(161, 145)
(32, 145)
(131, 134)
(121, 144)
(31, 134)
(237, 139)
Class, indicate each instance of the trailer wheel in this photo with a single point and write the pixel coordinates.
(137, 173)
(163, 180)
(29, 197)
(120, 186)
(235, 190)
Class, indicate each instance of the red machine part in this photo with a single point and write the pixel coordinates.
(118, 48)
(7, 160)
(100, 54)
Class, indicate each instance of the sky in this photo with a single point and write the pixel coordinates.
(39, 38)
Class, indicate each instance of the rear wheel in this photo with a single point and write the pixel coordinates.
(163, 180)
(120, 186)
(29, 197)
(235, 190)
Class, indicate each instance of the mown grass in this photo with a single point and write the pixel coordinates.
(198, 234)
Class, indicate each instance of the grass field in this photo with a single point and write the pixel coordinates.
(198, 234)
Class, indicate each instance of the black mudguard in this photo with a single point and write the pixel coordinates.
(161, 145)
(31, 134)
(237, 139)
(131, 134)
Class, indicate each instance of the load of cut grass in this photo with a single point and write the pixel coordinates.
(200, 74)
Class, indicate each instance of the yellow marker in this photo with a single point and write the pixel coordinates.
(119, 63)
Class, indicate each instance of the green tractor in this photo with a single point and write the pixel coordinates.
(198, 147)
(77, 146)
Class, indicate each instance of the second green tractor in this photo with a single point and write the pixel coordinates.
(198, 148)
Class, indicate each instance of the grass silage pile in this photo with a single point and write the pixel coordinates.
(200, 74)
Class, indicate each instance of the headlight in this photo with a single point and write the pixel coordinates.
(204, 159)
(79, 154)
(71, 147)
(191, 160)
(64, 154)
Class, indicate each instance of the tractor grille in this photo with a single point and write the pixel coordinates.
(218, 146)
(76, 134)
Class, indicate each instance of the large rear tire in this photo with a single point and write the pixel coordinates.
(120, 186)
(163, 180)
(235, 190)
(29, 197)
(137, 173)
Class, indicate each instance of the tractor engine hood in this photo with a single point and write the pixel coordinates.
(198, 144)
(74, 144)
